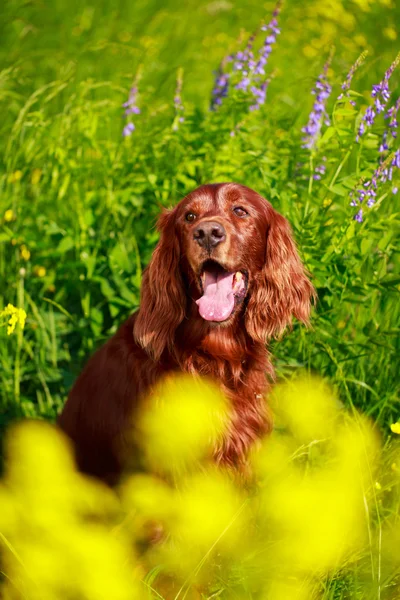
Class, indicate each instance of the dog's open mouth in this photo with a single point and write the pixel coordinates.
(222, 291)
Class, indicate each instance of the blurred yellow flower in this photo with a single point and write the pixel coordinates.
(25, 253)
(14, 177)
(390, 33)
(173, 440)
(9, 215)
(13, 316)
(395, 427)
(57, 525)
(36, 175)
(39, 271)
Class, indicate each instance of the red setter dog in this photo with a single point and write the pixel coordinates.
(224, 278)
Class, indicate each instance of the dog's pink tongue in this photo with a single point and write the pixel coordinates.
(217, 302)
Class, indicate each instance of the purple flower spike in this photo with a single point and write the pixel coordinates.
(221, 87)
(272, 30)
(318, 115)
(179, 108)
(347, 82)
(381, 94)
(253, 68)
(128, 129)
(382, 174)
(358, 216)
(131, 108)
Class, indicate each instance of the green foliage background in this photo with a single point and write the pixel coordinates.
(85, 200)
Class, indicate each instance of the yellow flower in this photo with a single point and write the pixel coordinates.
(14, 177)
(327, 202)
(9, 215)
(39, 271)
(390, 33)
(378, 485)
(36, 175)
(395, 427)
(13, 316)
(25, 253)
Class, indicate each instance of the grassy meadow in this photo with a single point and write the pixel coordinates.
(81, 186)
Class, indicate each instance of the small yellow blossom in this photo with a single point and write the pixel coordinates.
(12, 315)
(25, 253)
(14, 177)
(39, 271)
(395, 427)
(341, 324)
(378, 485)
(9, 215)
(390, 33)
(327, 202)
(36, 175)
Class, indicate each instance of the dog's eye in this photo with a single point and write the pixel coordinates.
(190, 216)
(240, 212)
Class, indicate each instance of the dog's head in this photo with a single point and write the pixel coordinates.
(224, 248)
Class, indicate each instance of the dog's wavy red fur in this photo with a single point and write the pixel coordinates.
(167, 333)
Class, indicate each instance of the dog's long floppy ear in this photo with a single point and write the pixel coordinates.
(163, 299)
(281, 289)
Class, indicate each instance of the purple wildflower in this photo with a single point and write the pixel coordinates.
(381, 95)
(221, 87)
(128, 129)
(318, 115)
(252, 69)
(320, 170)
(179, 108)
(130, 104)
(260, 94)
(345, 95)
(368, 192)
(392, 115)
(243, 61)
(359, 216)
(270, 39)
(395, 190)
(384, 145)
(131, 108)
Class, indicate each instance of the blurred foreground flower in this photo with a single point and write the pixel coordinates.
(182, 422)
(318, 472)
(307, 513)
(53, 523)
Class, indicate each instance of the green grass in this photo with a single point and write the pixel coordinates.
(85, 200)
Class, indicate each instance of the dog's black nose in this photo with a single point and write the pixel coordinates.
(209, 234)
